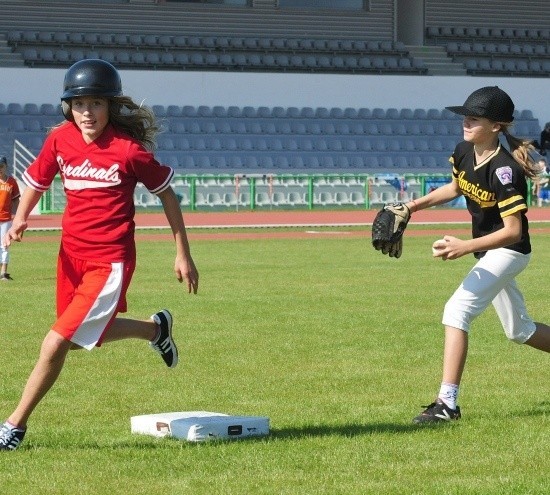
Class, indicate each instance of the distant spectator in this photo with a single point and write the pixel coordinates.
(544, 145)
(9, 200)
(540, 191)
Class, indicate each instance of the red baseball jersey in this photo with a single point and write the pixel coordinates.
(99, 181)
(9, 190)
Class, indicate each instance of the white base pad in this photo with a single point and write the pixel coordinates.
(198, 426)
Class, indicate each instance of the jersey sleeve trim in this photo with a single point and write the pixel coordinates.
(30, 182)
(165, 185)
(512, 205)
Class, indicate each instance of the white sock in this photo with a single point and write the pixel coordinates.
(13, 427)
(448, 393)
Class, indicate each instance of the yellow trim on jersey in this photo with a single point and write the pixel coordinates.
(509, 201)
(513, 210)
(490, 157)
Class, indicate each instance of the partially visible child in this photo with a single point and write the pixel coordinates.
(101, 152)
(540, 184)
(9, 200)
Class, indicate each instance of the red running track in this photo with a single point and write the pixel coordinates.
(286, 218)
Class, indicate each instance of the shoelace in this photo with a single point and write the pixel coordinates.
(7, 436)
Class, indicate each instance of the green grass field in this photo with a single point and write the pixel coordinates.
(338, 345)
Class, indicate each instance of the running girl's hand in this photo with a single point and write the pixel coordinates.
(15, 233)
(185, 269)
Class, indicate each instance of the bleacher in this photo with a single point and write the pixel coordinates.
(235, 53)
(265, 140)
(283, 140)
(516, 52)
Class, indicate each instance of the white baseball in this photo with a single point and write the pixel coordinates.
(438, 245)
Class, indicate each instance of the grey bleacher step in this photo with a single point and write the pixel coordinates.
(11, 63)
(436, 60)
(11, 60)
(8, 58)
(446, 68)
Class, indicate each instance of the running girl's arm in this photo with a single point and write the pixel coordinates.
(28, 201)
(184, 264)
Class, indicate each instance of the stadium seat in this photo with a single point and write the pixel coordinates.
(137, 58)
(123, 57)
(76, 38)
(109, 56)
(378, 113)
(152, 58)
(46, 55)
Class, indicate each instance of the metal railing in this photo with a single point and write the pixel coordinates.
(203, 192)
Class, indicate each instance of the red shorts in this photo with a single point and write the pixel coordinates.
(89, 296)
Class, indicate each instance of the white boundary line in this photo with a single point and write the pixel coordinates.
(275, 225)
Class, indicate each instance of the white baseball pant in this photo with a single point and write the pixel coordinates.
(491, 280)
(4, 252)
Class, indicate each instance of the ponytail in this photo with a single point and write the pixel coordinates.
(520, 149)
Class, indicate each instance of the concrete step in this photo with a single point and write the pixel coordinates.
(11, 63)
(437, 61)
(446, 71)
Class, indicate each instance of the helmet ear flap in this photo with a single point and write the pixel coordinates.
(66, 109)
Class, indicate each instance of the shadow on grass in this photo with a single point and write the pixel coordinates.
(350, 430)
(145, 442)
(541, 409)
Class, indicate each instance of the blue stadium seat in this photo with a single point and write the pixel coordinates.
(297, 162)
(15, 109)
(378, 113)
(76, 38)
(371, 161)
(137, 58)
(336, 62)
(433, 114)
(364, 144)
(322, 113)
(352, 63)
(371, 129)
(153, 58)
(33, 125)
(408, 145)
(265, 44)
(263, 112)
(305, 144)
(16, 125)
(422, 145)
(123, 57)
(49, 109)
(31, 109)
(110, 56)
(167, 58)
(15, 37)
(364, 113)
(182, 143)
(165, 143)
(46, 55)
(311, 162)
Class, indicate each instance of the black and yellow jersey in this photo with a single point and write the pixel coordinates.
(494, 189)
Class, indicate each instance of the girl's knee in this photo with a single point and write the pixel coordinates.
(520, 332)
(54, 345)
